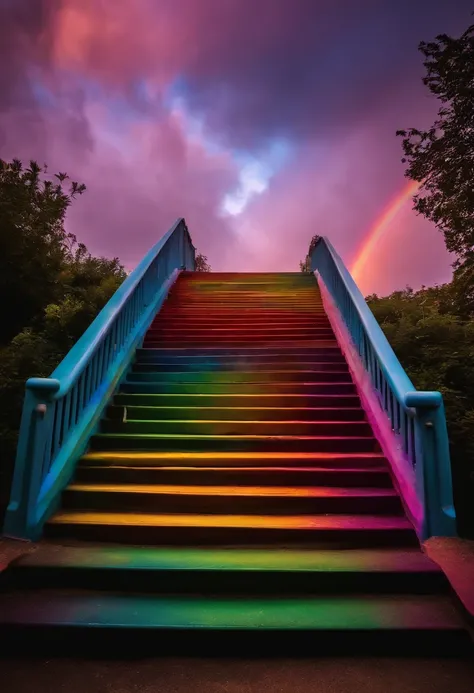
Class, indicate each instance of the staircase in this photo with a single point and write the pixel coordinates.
(235, 492)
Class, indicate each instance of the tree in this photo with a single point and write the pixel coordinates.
(202, 264)
(434, 343)
(441, 158)
(33, 243)
(51, 288)
(306, 265)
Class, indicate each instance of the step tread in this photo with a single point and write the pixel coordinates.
(276, 522)
(211, 410)
(253, 491)
(348, 613)
(197, 457)
(169, 436)
(230, 559)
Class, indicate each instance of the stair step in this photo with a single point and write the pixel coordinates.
(179, 528)
(171, 319)
(262, 316)
(286, 376)
(219, 427)
(236, 443)
(310, 460)
(238, 388)
(196, 413)
(216, 366)
(242, 341)
(130, 472)
(250, 350)
(236, 331)
(148, 356)
(231, 570)
(242, 499)
(238, 401)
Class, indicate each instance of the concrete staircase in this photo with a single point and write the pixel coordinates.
(235, 493)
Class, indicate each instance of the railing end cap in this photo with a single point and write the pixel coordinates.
(43, 384)
(417, 399)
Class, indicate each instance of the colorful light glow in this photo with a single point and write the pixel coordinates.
(380, 227)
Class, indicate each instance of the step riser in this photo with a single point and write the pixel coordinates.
(234, 401)
(217, 366)
(235, 333)
(245, 377)
(244, 460)
(175, 345)
(221, 477)
(329, 377)
(179, 444)
(223, 581)
(149, 357)
(170, 427)
(242, 316)
(116, 413)
(182, 536)
(232, 353)
(169, 319)
(232, 389)
(248, 336)
(210, 505)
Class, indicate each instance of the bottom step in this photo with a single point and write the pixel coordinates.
(213, 624)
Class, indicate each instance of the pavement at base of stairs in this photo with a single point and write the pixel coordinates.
(182, 675)
(10, 549)
(456, 558)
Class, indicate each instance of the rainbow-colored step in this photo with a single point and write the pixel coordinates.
(237, 455)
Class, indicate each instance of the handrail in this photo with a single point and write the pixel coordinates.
(80, 354)
(416, 419)
(60, 413)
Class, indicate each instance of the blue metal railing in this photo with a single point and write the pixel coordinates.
(60, 413)
(417, 419)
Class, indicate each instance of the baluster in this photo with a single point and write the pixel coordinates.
(94, 374)
(57, 425)
(66, 415)
(48, 448)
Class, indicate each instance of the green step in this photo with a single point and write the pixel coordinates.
(237, 388)
(230, 570)
(214, 377)
(155, 413)
(237, 443)
(238, 401)
(219, 427)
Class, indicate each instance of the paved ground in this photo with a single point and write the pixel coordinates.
(456, 558)
(238, 676)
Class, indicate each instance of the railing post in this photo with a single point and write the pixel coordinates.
(433, 465)
(35, 428)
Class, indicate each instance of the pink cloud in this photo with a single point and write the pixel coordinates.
(332, 78)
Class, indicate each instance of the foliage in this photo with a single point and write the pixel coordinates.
(442, 157)
(33, 243)
(51, 287)
(434, 341)
(306, 265)
(202, 264)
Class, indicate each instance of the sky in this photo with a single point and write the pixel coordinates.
(262, 122)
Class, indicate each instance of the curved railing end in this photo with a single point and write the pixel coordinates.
(423, 400)
(50, 385)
